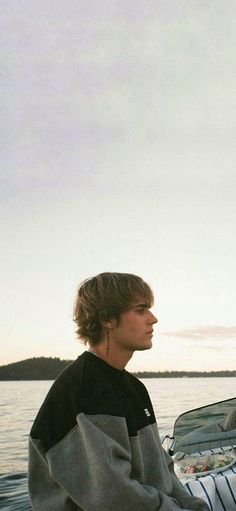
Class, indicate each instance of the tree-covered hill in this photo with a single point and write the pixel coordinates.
(41, 368)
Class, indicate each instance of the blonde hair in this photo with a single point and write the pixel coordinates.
(105, 297)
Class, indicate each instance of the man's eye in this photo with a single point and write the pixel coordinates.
(141, 310)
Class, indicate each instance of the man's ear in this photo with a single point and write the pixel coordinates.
(105, 321)
(108, 325)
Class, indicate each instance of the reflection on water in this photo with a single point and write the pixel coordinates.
(13, 492)
(20, 401)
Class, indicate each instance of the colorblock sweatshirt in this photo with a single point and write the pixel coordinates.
(94, 446)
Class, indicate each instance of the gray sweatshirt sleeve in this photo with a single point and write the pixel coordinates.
(91, 469)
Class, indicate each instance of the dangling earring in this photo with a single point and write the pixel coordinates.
(108, 344)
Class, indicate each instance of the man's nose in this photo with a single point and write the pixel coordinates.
(152, 318)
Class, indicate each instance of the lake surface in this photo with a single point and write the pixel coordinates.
(20, 401)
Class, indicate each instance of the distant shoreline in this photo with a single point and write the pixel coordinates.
(43, 368)
(186, 374)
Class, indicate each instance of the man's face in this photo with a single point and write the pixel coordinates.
(135, 328)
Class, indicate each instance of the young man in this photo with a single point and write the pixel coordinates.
(94, 445)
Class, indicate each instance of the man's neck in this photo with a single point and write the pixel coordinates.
(114, 359)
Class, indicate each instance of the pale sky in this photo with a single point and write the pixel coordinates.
(118, 154)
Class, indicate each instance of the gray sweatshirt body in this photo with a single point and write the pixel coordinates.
(94, 446)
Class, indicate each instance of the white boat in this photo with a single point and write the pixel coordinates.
(203, 447)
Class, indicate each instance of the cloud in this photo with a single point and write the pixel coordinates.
(218, 347)
(206, 332)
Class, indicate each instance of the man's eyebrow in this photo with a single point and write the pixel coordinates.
(145, 305)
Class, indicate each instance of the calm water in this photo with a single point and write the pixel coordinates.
(20, 401)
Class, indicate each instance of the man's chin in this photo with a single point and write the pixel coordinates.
(144, 347)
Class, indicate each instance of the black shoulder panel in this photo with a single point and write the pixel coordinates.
(91, 386)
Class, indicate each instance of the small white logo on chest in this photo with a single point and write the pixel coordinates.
(147, 412)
